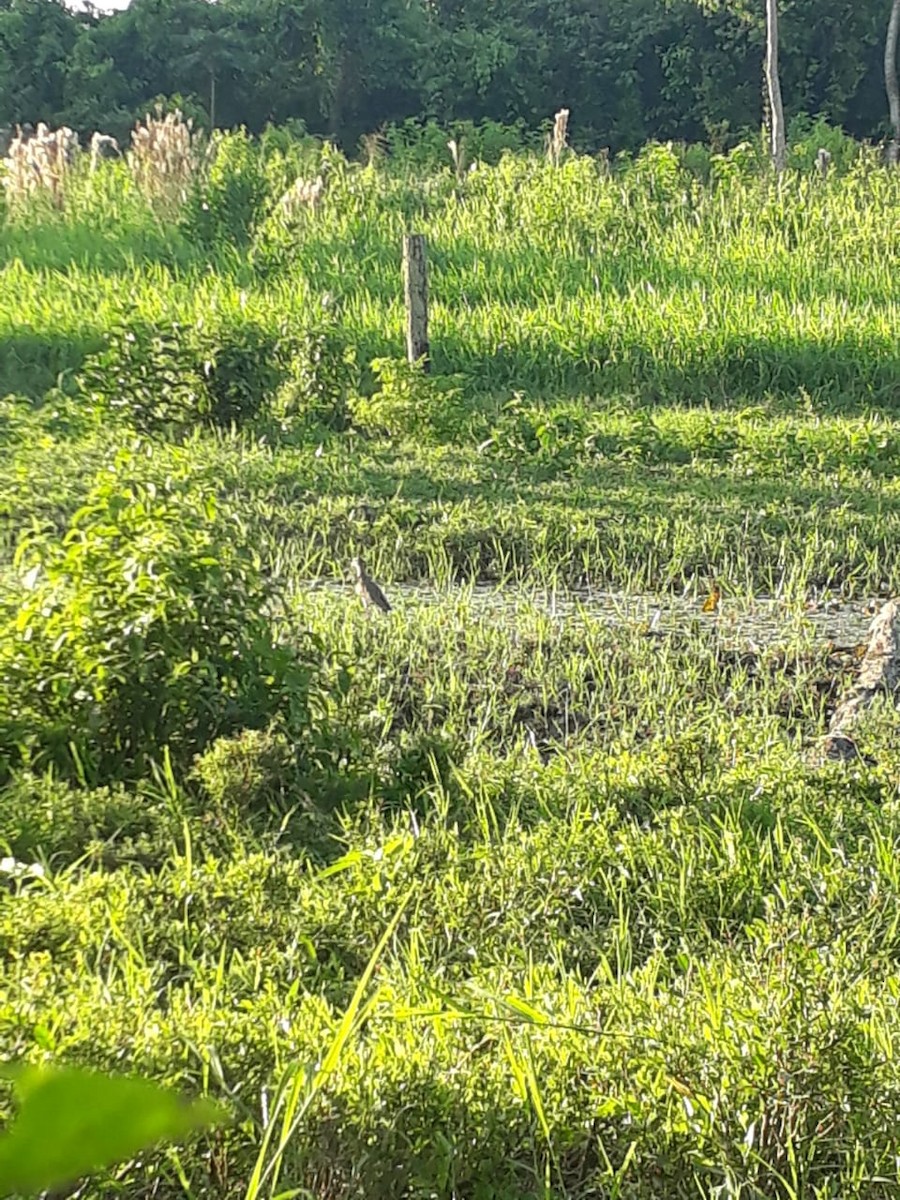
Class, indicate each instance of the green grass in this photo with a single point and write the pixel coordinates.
(636, 941)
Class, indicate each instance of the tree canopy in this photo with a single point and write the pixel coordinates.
(629, 70)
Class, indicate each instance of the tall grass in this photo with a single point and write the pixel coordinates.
(547, 278)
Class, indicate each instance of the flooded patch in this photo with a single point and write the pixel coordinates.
(752, 624)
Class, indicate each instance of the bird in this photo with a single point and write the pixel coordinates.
(367, 589)
(711, 603)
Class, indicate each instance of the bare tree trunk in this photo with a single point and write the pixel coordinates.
(890, 81)
(778, 142)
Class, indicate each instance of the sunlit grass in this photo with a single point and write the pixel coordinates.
(637, 941)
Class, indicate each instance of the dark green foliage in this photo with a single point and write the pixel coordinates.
(173, 377)
(148, 627)
(244, 366)
(630, 71)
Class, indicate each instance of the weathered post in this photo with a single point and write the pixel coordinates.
(823, 162)
(415, 286)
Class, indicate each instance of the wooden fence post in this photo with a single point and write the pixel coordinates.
(415, 287)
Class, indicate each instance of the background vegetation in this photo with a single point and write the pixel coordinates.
(630, 70)
(514, 893)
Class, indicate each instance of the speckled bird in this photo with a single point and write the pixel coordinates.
(367, 589)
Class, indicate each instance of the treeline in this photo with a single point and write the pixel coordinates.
(630, 70)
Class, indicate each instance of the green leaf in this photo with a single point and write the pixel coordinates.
(71, 1122)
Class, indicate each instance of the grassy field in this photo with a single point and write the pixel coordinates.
(639, 943)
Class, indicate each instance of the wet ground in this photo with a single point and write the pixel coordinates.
(752, 624)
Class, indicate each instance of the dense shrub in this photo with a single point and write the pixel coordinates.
(806, 136)
(172, 376)
(148, 626)
(50, 818)
(323, 379)
(228, 200)
(407, 401)
(255, 769)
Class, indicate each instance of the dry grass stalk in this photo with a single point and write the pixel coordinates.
(165, 156)
(457, 153)
(103, 146)
(374, 147)
(40, 164)
(557, 142)
(304, 194)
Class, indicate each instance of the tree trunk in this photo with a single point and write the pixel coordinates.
(778, 140)
(890, 80)
(338, 98)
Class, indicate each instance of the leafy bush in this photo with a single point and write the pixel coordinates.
(228, 201)
(243, 368)
(49, 818)
(410, 402)
(740, 165)
(255, 769)
(807, 136)
(173, 376)
(148, 626)
(146, 374)
(323, 378)
(553, 435)
(657, 172)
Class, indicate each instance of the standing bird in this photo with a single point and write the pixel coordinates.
(367, 589)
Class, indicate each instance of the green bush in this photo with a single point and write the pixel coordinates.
(172, 376)
(244, 367)
(323, 378)
(148, 626)
(49, 818)
(410, 402)
(229, 200)
(255, 769)
(806, 136)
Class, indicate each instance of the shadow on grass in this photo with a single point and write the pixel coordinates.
(843, 378)
(635, 526)
(31, 362)
(848, 377)
(83, 244)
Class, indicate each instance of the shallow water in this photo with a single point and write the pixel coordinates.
(757, 623)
